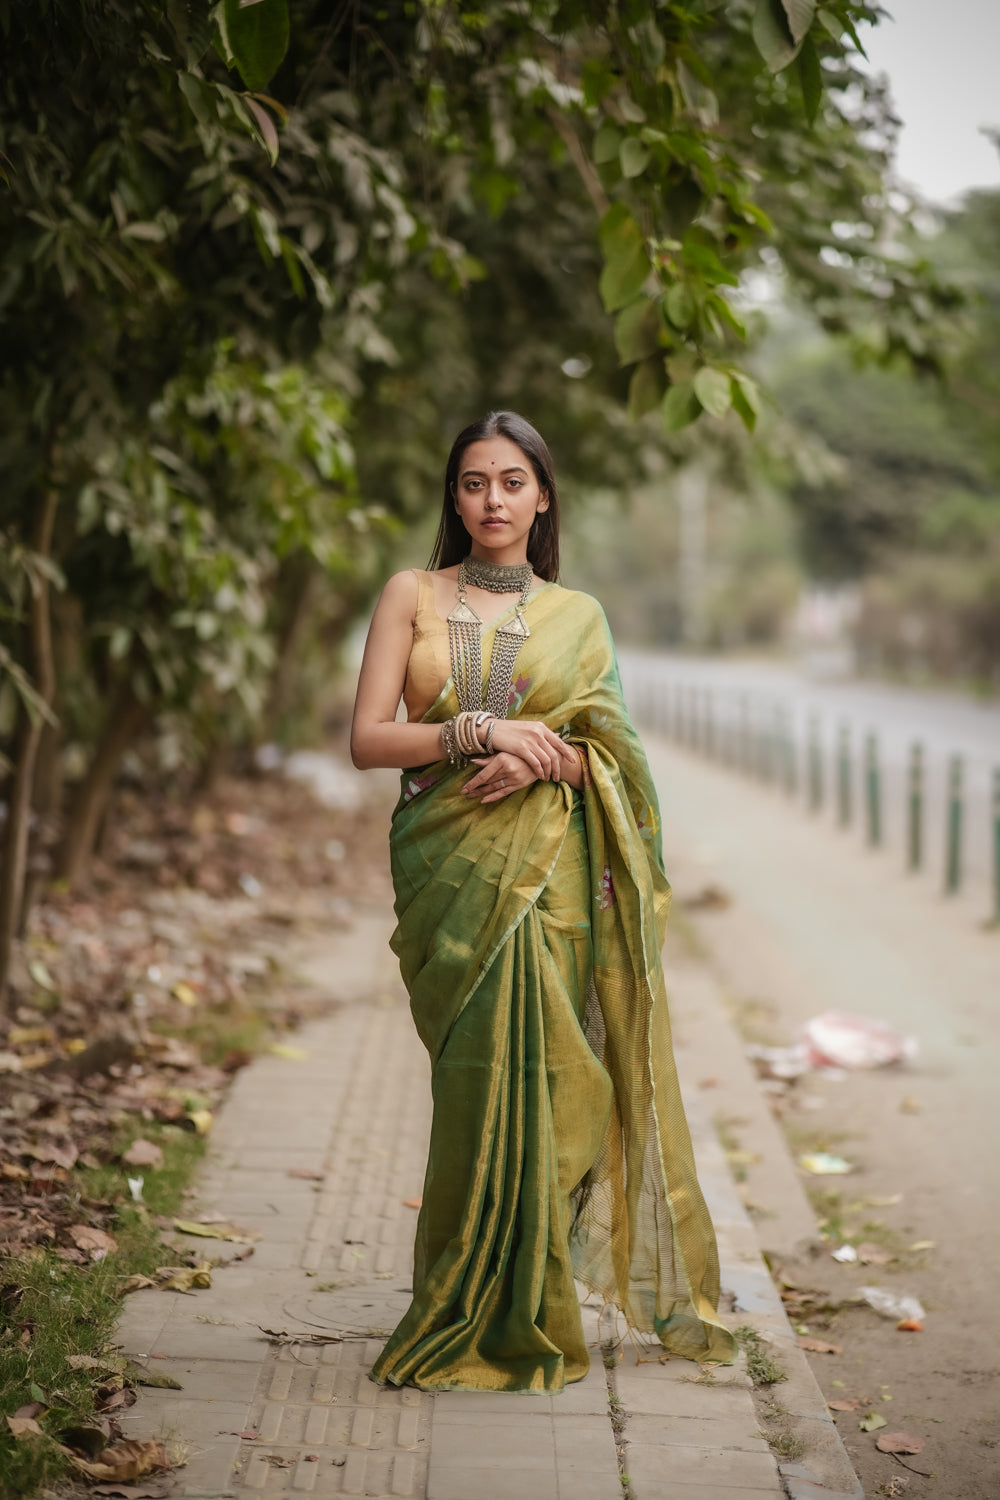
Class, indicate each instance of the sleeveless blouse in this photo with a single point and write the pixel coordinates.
(429, 665)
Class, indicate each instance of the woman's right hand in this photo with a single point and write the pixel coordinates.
(535, 743)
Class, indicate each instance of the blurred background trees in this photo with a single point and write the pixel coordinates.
(260, 263)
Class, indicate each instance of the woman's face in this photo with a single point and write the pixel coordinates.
(498, 496)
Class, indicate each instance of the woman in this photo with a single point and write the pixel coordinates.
(530, 899)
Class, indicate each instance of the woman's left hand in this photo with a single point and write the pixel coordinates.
(501, 774)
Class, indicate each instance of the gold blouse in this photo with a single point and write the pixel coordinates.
(429, 666)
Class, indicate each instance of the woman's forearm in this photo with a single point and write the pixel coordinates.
(397, 745)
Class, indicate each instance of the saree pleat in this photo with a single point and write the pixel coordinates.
(528, 936)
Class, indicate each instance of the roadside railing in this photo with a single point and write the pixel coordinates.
(935, 808)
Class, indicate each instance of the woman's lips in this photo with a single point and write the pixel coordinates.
(494, 522)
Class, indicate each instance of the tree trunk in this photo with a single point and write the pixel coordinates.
(126, 717)
(15, 832)
(300, 580)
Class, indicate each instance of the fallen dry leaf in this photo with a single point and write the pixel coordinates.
(817, 1346)
(128, 1459)
(898, 1442)
(850, 1403)
(823, 1164)
(873, 1255)
(910, 1325)
(87, 1438)
(919, 1245)
(217, 1231)
(288, 1051)
(24, 1427)
(307, 1174)
(184, 1278)
(143, 1153)
(872, 1421)
(88, 1362)
(136, 1283)
(97, 1242)
(159, 1379)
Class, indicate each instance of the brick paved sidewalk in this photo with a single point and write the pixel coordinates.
(335, 1257)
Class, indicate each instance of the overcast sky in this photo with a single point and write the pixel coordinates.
(943, 62)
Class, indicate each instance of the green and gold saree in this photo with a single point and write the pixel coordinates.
(529, 935)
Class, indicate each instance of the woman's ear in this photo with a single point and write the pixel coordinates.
(543, 503)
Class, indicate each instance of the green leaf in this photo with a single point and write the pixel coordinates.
(645, 391)
(799, 14)
(872, 1421)
(680, 406)
(680, 305)
(637, 331)
(258, 36)
(634, 156)
(772, 36)
(626, 263)
(810, 79)
(746, 400)
(711, 386)
(265, 128)
(606, 143)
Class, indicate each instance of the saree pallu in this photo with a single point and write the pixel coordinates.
(529, 935)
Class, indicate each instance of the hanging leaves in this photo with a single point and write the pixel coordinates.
(257, 34)
(626, 262)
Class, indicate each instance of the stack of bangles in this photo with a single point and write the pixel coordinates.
(460, 737)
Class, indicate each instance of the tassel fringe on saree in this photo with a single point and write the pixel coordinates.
(529, 936)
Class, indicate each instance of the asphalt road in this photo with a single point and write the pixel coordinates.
(804, 921)
(761, 717)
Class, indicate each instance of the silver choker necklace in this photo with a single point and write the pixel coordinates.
(498, 578)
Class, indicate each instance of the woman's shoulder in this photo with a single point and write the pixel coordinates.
(588, 608)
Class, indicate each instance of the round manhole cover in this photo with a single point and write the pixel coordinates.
(371, 1307)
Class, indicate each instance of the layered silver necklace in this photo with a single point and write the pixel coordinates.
(465, 635)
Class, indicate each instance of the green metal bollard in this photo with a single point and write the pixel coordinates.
(873, 784)
(815, 757)
(953, 851)
(844, 780)
(915, 810)
(996, 846)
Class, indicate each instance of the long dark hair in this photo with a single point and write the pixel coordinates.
(452, 542)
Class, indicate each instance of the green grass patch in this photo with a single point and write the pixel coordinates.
(53, 1309)
(761, 1366)
(786, 1445)
(217, 1032)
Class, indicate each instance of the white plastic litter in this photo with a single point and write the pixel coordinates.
(841, 1040)
(832, 1043)
(891, 1305)
(846, 1254)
